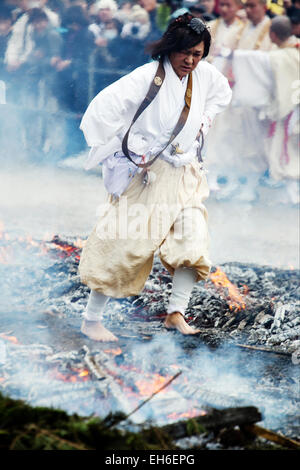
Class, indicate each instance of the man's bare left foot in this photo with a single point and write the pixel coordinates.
(176, 321)
(96, 331)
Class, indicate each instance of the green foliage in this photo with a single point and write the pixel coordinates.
(192, 427)
(23, 427)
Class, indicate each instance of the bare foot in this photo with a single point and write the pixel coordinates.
(96, 331)
(176, 321)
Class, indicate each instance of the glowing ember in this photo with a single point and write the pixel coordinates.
(12, 339)
(115, 352)
(148, 386)
(234, 298)
(74, 376)
(188, 414)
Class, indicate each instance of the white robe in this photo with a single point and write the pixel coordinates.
(110, 113)
(273, 76)
(20, 43)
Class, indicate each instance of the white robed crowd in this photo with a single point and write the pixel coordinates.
(254, 143)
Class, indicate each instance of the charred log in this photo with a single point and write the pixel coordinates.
(213, 420)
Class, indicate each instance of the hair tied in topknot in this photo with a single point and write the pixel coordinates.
(197, 25)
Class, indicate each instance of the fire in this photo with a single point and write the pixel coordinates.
(12, 339)
(42, 246)
(148, 386)
(235, 299)
(73, 376)
(188, 414)
(115, 352)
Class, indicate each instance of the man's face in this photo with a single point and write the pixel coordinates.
(186, 61)
(255, 10)
(228, 9)
(105, 15)
(40, 26)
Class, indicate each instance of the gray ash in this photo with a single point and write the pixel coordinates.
(45, 360)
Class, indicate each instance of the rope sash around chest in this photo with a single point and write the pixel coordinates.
(152, 92)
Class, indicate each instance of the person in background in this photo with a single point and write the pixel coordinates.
(227, 29)
(273, 76)
(36, 81)
(106, 32)
(199, 11)
(255, 36)
(21, 31)
(293, 12)
(129, 50)
(209, 6)
(239, 131)
(6, 21)
(124, 10)
(157, 15)
(72, 86)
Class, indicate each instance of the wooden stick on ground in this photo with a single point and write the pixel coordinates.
(272, 436)
(266, 350)
(154, 393)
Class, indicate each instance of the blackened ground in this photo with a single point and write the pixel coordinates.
(43, 300)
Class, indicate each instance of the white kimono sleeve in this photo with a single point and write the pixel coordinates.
(217, 99)
(109, 114)
(253, 79)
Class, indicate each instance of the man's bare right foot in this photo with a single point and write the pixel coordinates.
(176, 321)
(96, 331)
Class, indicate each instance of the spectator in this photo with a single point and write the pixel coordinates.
(72, 84)
(295, 21)
(58, 6)
(103, 12)
(106, 30)
(81, 3)
(123, 13)
(209, 6)
(43, 52)
(36, 80)
(72, 67)
(129, 52)
(18, 44)
(6, 21)
(199, 11)
(157, 26)
(293, 12)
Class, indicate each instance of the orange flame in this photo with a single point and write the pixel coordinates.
(188, 414)
(115, 352)
(12, 339)
(73, 376)
(235, 299)
(148, 386)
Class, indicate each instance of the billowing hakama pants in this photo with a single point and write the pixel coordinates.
(167, 216)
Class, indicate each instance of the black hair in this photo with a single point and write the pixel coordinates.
(179, 36)
(75, 14)
(36, 14)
